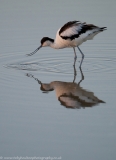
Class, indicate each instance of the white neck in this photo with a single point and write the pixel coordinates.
(54, 45)
(50, 44)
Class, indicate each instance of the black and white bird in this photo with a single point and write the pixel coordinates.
(72, 34)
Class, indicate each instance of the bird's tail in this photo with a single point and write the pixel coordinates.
(103, 28)
(95, 32)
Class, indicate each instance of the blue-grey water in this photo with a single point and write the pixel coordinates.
(48, 107)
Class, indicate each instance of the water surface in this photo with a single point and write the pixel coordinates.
(48, 107)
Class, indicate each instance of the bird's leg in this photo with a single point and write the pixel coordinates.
(75, 72)
(82, 56)
(75, 53)
(82, 76)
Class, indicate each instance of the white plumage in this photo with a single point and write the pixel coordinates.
(72, 34)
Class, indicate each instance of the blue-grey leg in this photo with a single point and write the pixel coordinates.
(82, 56)
(75, 72)
(75, 53)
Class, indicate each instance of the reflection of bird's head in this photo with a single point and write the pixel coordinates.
(46, 87)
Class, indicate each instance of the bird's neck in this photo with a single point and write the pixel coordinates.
(56, 45)
(53, 45)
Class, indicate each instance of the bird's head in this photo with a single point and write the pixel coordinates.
(45, 41)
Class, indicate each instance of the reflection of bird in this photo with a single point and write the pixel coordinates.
(72, 34)
(70, 94)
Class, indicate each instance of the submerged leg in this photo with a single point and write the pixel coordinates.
(75, 71)
(82, 56)
(75, 53)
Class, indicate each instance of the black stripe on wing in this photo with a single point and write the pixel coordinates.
(84, 29)
(67, 25)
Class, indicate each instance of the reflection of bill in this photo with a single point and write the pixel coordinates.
(70, 94)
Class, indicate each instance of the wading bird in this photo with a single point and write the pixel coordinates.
(72, 34)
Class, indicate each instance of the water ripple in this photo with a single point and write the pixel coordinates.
(64, 65)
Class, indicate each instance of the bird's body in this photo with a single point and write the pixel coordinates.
(72, 34)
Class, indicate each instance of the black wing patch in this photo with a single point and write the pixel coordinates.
(85, 27)
(67, 25)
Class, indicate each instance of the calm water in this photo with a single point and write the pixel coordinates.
(48, 107)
